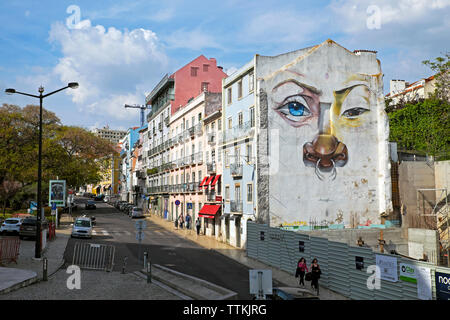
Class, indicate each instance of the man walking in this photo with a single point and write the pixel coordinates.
(188, 221)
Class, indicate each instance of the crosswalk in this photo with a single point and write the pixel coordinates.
(114, 233)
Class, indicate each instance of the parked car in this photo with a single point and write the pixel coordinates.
(90, 205)
(291, 293)
(11, 226)
(28, 227)
(82, 227)
(136, 213)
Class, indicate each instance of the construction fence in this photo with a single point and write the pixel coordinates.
(345, 268)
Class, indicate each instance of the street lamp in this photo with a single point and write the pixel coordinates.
(41, 96)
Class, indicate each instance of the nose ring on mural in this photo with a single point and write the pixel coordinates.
(321, 176)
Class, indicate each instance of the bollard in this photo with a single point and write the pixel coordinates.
(124, 264)
(45, 267)
(145, 258)
(149, 272)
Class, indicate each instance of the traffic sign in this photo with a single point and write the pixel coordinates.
(177, 202)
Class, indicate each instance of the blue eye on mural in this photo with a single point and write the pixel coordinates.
(296, 109)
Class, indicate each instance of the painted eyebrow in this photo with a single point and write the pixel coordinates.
(300, 84)
(351, 88)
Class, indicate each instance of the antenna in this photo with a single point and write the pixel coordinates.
(143, 108)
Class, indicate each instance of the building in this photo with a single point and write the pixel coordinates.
(171, 94)
(400, 90)
(237, 148)
(126, 163)
(109, 134)
(317, 152)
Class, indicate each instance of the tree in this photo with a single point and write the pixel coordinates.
(441, 67)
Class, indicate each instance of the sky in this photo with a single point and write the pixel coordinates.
(119, 50)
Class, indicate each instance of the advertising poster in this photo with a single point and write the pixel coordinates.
(442, 286)
(408, 273)
(388, 267)
(424, 283)
(57, 193)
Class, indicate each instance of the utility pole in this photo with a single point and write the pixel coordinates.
(143, 108)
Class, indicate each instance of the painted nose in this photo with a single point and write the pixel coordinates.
(325, 152)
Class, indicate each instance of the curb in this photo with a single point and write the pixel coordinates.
(19, 285)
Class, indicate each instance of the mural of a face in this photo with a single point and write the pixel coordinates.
(325, 106)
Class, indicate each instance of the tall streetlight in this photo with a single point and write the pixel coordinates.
(41, 96)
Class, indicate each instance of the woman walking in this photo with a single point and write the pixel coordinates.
(315, 275)
(301, 270)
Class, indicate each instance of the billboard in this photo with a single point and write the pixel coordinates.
(442, 286)
(57, 193)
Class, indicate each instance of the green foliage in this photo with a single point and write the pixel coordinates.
(422, 127)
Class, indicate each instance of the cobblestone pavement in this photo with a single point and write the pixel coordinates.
(114, 286)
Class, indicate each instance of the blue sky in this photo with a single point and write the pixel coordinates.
(119, 50)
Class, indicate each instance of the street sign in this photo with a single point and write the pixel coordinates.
(218, 198)
(177, 202)
(53, 206)
(57, 192)
(189, 205)
(33, 205)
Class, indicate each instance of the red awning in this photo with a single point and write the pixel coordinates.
(203, 181)
(215, 181)
(209, 210)
(208, 182)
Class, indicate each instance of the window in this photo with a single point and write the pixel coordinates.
(219, 156)
(240, 119)
(219, 124)
(229, 95)
(194, 71)
(252, 117)
(205, 67)
(213, 155)
(237, 193)
(230, 123)
(205, 86)
(226, 158)
(251, 82)
(193, 120)
(199, 117)
(250, 192)
(193, 176)
(237, 154)
(239, 85)
(248, 153)
(227, 193)
(213, 126)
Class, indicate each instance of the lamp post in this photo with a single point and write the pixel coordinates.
(41, 96)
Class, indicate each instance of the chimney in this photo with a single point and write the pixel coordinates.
(213, 61)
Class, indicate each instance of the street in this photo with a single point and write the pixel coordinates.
(164, 247)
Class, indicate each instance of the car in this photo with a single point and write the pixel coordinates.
(123, 205)
(82, 227)
(90, 205)
(136, 213)
(11, 226)
(291, 293)
(28, 227)
(106, 199)
(99, 197)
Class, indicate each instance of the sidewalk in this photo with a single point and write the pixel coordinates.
(239, 255)
(29, 270)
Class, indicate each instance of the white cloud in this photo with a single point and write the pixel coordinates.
(113, 67)
(195, 39)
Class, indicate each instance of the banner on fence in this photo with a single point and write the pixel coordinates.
(388, 267)
(424, 291)
(408, 273)
(442, 286)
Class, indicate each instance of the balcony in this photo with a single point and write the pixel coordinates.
(212, 138)
(211, 168)
(199, 157)
(198, 129)
(160, 126)
(211, 196)
(238, 132)
(236, 206)
(236, 170)
(180, 137)
(191, 132)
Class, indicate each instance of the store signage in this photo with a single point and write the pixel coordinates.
(408, 273)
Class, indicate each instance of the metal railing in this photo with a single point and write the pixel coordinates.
(236, 169)
(238, 132)
(236, 206)
(9, 249)
(198, 129)
(94, 256)
(211, 167)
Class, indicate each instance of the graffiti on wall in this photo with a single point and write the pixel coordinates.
(327, 106)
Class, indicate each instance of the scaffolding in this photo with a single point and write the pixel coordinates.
(432, 207)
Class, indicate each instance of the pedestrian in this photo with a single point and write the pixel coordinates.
(197, 224)
(181, 222)
(188, 221)
(176, 223)
(315, 275)
(302, 268)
